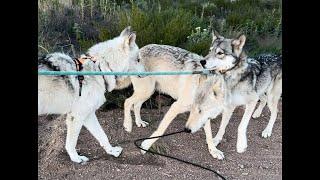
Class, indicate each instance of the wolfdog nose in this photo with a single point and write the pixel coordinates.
(187, 130)
(203, 62)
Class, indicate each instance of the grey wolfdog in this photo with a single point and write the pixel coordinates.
(180, 87)
(237, 80)
(60, 94)
(245, 81)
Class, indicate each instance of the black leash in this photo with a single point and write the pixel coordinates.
(181, 160)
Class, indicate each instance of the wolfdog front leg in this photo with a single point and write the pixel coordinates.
(242, 128)
(94, 127)
(175, 109)
(216, 153)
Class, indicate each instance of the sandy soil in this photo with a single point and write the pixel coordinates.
(262, 160)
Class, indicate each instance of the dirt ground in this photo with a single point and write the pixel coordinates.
(262, 160)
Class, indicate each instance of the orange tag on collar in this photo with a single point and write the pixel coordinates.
(81, 60)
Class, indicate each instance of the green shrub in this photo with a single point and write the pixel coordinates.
(87, 22)
(198, 41)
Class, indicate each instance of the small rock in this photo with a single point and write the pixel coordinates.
(118, 170)
(245, 173)
(241, 166)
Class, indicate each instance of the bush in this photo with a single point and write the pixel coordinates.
(199, 41)
(73, 29)
(169, 26)
(163, 22)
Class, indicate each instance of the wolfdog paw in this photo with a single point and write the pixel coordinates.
(256, 114)
(80, 159)
(216, 153)
(127, 127)
(241, 147)
(266, 133)
(115, 151)
(145, 145)
(141, 123)
(216, 141)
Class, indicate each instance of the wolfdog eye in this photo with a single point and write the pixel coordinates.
(199, 110)
(138, 60)
(220, 53)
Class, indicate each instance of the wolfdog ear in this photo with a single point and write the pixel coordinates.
(215, 35)
(239, 43)
(131, 38)
(126, 31)
(204, 88)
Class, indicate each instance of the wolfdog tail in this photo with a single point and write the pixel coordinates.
(56, 62)
(59, 62)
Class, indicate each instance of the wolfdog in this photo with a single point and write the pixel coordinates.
(246, 81)
(65, 95)
(180, 87)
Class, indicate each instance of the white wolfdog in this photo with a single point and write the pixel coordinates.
(246, 80)
(60, 94)
(180, 87)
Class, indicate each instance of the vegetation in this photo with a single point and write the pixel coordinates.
(72, 26)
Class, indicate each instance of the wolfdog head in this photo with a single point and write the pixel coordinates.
(224, 53)
(118, 54)
(209, 102)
